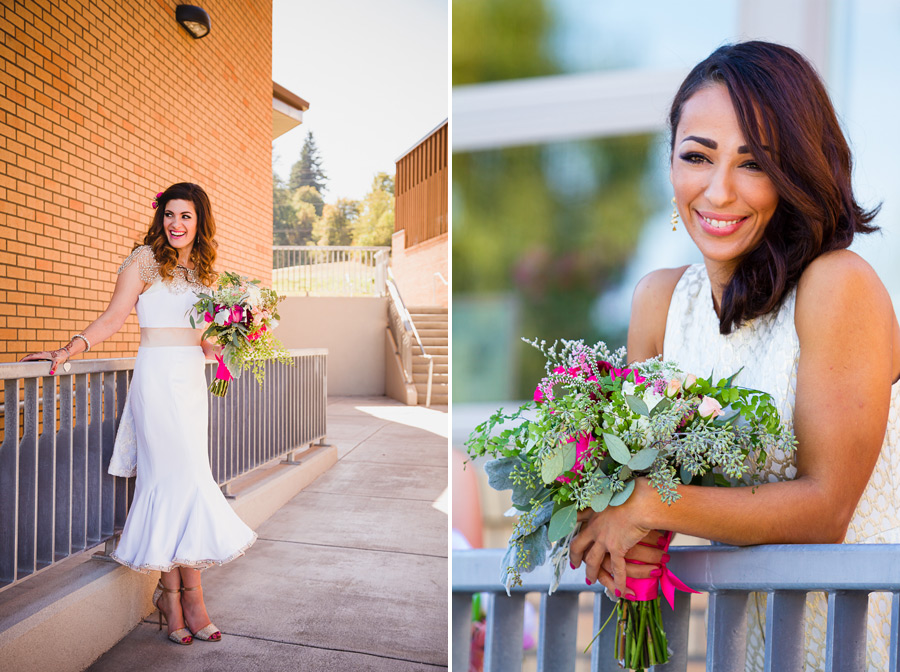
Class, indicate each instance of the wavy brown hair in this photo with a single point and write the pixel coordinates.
(793, 132)
(203, 253)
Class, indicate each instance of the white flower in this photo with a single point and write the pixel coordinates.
(221, 316)
(651, 398)
(628, 387)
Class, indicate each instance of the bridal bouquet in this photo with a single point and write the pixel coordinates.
(240, 316)
(597, 426)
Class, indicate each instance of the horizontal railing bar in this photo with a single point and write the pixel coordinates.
(332, 248)
(39, 369)
(807, 567)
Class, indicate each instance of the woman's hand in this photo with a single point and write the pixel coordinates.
(56, 358)
(210, 349)
(607, 539)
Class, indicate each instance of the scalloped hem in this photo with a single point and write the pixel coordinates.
(191, 564)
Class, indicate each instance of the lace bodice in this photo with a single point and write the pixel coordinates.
(164, 303)
(184, 279)
(768, 349)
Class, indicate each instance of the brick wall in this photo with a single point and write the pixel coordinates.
(103, 103)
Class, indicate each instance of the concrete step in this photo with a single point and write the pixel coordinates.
(434, 341)
(439, 360)
(431, 333)
(425, 323)
(430, 310)
(437, 350)
(436, 379)
(436, 400)
(438, 368)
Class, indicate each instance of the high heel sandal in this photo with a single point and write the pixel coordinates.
(182, 635)
(208, 632)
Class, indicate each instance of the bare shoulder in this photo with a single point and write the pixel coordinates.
(841, 286)
(649, 310)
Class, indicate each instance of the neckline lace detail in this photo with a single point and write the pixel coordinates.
(182, 280)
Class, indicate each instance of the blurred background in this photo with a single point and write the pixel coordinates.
(560, 191)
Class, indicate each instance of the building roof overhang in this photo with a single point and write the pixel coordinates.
(287, 110)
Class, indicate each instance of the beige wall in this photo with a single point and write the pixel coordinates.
(352, 328)
(414, 269)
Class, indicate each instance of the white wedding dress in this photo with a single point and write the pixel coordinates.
(179, 516)
(768, 349)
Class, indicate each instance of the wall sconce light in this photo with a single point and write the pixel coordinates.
(193, 19)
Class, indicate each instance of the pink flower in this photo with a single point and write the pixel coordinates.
(208, 316)
(582, 452)
(623, 373)
(673, 388)
(237, 314)
(709, 408)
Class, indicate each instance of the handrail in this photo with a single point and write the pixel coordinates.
(729, 574)
(437, 276)
(332, 270)
(398, 313)
(57, 498)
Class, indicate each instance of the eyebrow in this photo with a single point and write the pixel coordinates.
(712, 144)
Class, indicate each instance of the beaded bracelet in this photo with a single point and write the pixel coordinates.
(83, 338)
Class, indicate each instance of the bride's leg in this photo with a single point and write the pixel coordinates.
(192, 602)
(171, 602)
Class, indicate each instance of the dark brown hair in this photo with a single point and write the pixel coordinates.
(794, 135)
(203, 253)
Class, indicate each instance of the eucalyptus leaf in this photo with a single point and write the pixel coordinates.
(617, 448)
(686, 475)
(528, 524)
(624, 473)
(622, 497)
(569, 453)
(662, 405)
(601, 500)
(552, 465)
(643, 459)
(562, 523)
(498, 472)
(637, 405)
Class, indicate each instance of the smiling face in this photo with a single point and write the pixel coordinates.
(180, 225)
(724, 198)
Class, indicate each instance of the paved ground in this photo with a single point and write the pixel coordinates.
(351, 574)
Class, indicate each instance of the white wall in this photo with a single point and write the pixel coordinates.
(352, 328)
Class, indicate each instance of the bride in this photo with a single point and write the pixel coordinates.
(762, 178)
(179, 522)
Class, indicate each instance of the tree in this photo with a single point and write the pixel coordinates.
(375, 223)
(307, 172)
(284, 215)
(311, 195)
(335, 227)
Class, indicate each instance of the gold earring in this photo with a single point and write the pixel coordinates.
(674, 214)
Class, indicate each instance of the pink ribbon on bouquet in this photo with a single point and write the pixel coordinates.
(648, 589)
(222, 372)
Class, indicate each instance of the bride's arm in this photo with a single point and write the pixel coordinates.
(844, 319)
(129, 285)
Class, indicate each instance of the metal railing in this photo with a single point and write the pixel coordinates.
(329, 271)
(405, 335)
(56, 497)
(847, 573)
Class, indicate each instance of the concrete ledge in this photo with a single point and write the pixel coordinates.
(72, 613)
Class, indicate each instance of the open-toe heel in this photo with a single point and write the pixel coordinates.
(209, 632)
(182, 635)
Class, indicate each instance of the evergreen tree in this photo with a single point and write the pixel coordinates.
(307, 172)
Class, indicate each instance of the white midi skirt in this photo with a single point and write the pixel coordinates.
(179, 516)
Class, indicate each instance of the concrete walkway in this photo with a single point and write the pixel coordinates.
(351, 574)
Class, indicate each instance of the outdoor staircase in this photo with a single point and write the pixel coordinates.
(431, 323)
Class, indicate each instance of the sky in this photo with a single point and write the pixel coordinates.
(375, 75)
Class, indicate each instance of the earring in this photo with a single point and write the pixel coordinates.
(674, 214)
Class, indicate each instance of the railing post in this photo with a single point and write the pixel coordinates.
(462, 631)
(503, 637)
(603, 648)
(785, 631)
(726, 632)
(845, 637)
(557, 630)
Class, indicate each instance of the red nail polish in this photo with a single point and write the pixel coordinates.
(656, 573)
(665, 558)
(571, 565)
(587, 581)
(618, 594)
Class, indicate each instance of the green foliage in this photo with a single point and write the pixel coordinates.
(335, 227)
(375, 223)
